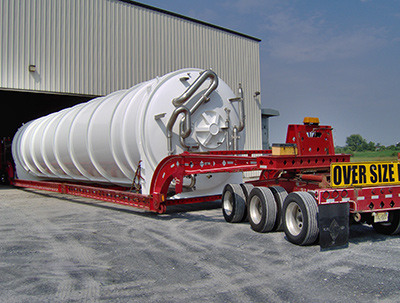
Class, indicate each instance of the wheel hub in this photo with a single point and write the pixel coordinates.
(294, 219)
(255, 210)
(228, 203)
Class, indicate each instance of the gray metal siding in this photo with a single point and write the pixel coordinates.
(94, 47)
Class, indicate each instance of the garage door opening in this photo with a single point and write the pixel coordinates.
(21, 107)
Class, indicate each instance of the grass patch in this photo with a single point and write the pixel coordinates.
(382, 155)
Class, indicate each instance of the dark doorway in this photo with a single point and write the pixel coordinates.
(20, 107)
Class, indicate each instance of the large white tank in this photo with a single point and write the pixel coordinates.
(103, 140)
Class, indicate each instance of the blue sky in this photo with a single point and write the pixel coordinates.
(338, 60)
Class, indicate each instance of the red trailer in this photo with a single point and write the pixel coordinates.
(312, 193)
(303, 187)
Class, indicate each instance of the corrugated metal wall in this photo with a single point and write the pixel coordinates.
(94, 47)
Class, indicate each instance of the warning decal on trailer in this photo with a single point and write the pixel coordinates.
(365, 174)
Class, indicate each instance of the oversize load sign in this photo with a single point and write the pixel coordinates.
(365, 174)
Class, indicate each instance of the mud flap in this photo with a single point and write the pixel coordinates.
(333, 222)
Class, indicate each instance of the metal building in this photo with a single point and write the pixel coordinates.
(56, 53)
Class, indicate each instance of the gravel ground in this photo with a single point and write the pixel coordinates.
(56, 248)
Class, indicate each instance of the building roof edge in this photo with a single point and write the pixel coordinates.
(160, 10)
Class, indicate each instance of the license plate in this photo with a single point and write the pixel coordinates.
(381, 217)
(365, 174)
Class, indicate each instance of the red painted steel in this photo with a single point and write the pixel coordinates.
(300, 162)
(274, 170)
(311, 139)
(363, 200)
(307, 171)
(249, 153)
(175, 167)
(171, 168)
(93, 192)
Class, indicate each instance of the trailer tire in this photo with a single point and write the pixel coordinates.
(392, 227)
(233, 203)
(262, 209)
(280, 195)
(246, 187)
(300, 218)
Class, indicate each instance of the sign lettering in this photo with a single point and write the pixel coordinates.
(364, 174)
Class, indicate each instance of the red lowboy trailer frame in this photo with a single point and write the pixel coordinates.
(176, 167)
(304, 172)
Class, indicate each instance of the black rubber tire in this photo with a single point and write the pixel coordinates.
(246, 187)
(233, 203)
(392, 227)
(261, 209)
(300, 218)
(280, 195)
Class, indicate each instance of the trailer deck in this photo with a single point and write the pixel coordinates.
(302, 187)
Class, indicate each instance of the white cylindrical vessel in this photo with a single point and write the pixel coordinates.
(103, 140)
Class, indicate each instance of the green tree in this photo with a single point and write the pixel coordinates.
(356, 143)
(371, 146)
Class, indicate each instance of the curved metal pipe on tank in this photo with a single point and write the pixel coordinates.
(182, 99)
(242, 115)
(182, 138)
(172, 121)
(195, 86)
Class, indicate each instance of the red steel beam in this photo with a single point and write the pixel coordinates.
(93, 192)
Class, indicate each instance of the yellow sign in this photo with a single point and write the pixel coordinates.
(364, 174)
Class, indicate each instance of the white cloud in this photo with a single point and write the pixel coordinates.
(251, 6)
(299, 39)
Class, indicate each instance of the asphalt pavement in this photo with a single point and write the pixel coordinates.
(58, 248)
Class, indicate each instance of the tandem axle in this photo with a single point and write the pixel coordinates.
(314, 194)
